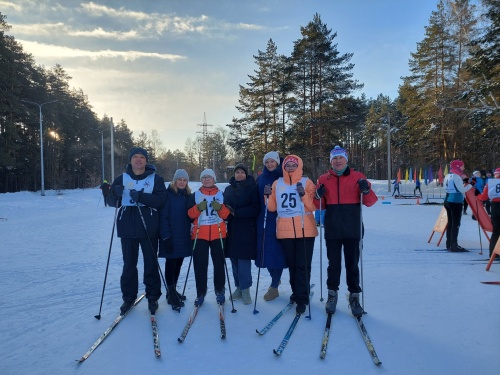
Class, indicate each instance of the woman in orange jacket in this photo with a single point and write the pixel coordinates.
(209, 233)
(291, 196)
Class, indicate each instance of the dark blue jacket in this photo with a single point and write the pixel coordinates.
(129, 222)
(274, 256)
(243, 197)
(175, 224)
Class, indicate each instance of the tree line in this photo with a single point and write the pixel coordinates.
(305, 103)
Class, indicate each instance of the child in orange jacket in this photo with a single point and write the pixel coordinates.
(209, 233)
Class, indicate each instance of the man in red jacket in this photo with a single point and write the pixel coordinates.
(340, 191)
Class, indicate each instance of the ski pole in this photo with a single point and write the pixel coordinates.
(479, 228)
(305, 254)
(361, 249)
(191, 259)
(224, 257)
(98, 316)
(321, 250)
(155, 255)
(255, 311)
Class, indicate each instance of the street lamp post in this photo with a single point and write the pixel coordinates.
(41, 142)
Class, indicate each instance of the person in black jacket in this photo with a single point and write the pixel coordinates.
(241, 197)
(105, 191)
(175, 235)
(140, 193)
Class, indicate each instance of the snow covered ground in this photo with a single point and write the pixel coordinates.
(428, 313)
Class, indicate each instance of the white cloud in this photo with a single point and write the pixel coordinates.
(42, 50)
(103, 34)
(11, 5)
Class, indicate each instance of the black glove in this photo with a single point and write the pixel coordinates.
(231, 210)
(216, 205)
(320, 191)
(136, 195)
(268, 190)
(300, 189)
(167, 243)
(473, 181)
(363, 186)
(202, 206)
(118, 191)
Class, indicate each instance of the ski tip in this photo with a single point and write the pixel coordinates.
(276, 352)
(180, 340)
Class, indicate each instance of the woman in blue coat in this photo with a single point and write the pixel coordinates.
(270, 255)
(241, 197)
(175, 235)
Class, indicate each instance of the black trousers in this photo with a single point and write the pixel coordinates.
(173, 270)
(298, 255)
(454, 213)
(351, 260)
(200, 264)
(495, 220)
(129, 279)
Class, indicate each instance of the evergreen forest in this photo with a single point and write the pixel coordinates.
(304, 103)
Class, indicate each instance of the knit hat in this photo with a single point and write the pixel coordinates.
(455, 166)
(241, 166)
(180, 173)
(291, 158)
(208, 172)
(497, 171)
(474, 173)
(272, 155)
(138, 150)
(338, 151)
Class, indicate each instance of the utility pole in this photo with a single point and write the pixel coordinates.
(42, 173)
(205, 133)
(112, 151)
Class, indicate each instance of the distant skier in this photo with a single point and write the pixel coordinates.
(105, 191)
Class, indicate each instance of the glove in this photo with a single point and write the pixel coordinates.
(118, 191)
(268, 190)
(136, 195)
(300, 189)
(216, 205)
(363, 186)
(320, 191)
(202, 206)
(473, 181)
(231, 210)
(167, 243)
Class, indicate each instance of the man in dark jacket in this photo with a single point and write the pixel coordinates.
(140, 193)
(105, 191)
(341, 189)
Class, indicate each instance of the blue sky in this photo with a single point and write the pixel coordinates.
(160, 65)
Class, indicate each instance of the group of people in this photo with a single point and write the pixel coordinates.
(456, 184)
(269, 221)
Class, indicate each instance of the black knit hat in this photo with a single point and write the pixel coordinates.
(138, 150)
(241, 166)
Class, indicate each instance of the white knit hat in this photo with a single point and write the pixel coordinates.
(180, 173)
(208, 172)
(272, 155)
